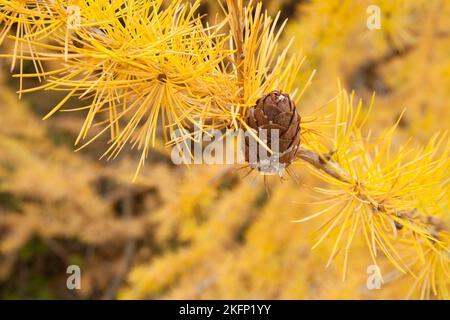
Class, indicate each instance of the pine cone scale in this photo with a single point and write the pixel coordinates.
(284, 119)
(259, 118)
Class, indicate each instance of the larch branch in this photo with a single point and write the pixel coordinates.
(322, 163)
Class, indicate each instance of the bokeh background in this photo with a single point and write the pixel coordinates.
(207, 232)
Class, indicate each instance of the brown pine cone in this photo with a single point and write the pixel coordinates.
(274, 111)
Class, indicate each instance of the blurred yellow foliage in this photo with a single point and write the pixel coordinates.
(205, 232)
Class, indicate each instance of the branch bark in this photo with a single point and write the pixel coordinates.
(235, 12)
(321, 163)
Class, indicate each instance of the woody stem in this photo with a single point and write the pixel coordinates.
(235, 9)
(321, 163)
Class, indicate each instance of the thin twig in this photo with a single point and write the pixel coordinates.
(321, 163)
(128, 251)
(235, 12)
